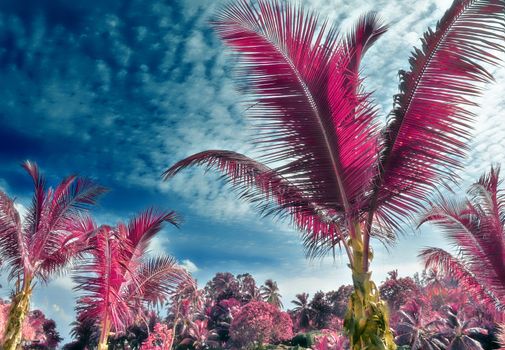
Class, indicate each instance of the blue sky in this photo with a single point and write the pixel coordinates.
(119, 90)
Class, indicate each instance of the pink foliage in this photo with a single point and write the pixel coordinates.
(335, 323)
(160, 339)
(260, 322)
(282, 327)
(330, 340)
(33, 327)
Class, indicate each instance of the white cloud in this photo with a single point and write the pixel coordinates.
(64, 282)
(189, 266)
(62, 314)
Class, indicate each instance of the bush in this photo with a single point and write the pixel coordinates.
(259, 323)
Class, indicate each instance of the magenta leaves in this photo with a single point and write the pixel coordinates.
(118, 278)
(475, 226)
(55, 228)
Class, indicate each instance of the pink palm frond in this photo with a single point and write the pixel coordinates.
(12, 243)
(47, 240)
(159, 278)
(68, 248)
(268, 189)
(100, 279)
(146, 224)
(39, 197)
(311, 113)
(63, 207)
(476, 228)
(332, 170)
(439, 258)
(314, 113)
(365, 33)
(427, 135)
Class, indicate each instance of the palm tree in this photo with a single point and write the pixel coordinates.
(119, 280)
(476, 226)
(270, 293)
(248, 290)
(302, 310)
(85, 333)
(418, 330)
(459, 331)
(41, 245)
(326, 162)
(198, 336)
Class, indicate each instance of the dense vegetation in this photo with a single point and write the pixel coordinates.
(428, 311)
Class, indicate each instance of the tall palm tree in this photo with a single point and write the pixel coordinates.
(302, 310)
(119, 280)
(40, 246)
(326, 162)
(270, 293)
(476, 225)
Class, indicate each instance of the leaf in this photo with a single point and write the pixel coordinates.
(427, 135)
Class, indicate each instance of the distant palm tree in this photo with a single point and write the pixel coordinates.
(270, 293)
(321, 310)
(85, 333)
(119, 280)
(302, 310)
(476, 225)
(338, 176)
(417, 330)
(248, 288)
(53, 232)
(459, 331)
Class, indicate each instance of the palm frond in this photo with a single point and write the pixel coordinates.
(142, 228)
(309, 116)
(99, 279)
(145, 225)
(159, 278)
(367, 30)
(63, 206)
(68, 248)
(35, 212)
(475, 227)
(115, 278)
(12, 243)
(427, 135)
(451, 266)
(72, 196)
(267, 189)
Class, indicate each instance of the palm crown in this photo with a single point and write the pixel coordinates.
(314, 116)
(118, 279)
(52, 231)
(270, 293)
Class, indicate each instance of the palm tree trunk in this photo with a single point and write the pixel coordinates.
(367, 318)
(20, 307)
(104, 335)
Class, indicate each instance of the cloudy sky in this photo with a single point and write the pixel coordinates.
(119, 90)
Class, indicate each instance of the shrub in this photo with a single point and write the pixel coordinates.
(258, 323)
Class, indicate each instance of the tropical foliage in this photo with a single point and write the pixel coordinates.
(476, 225)
(335, 172)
